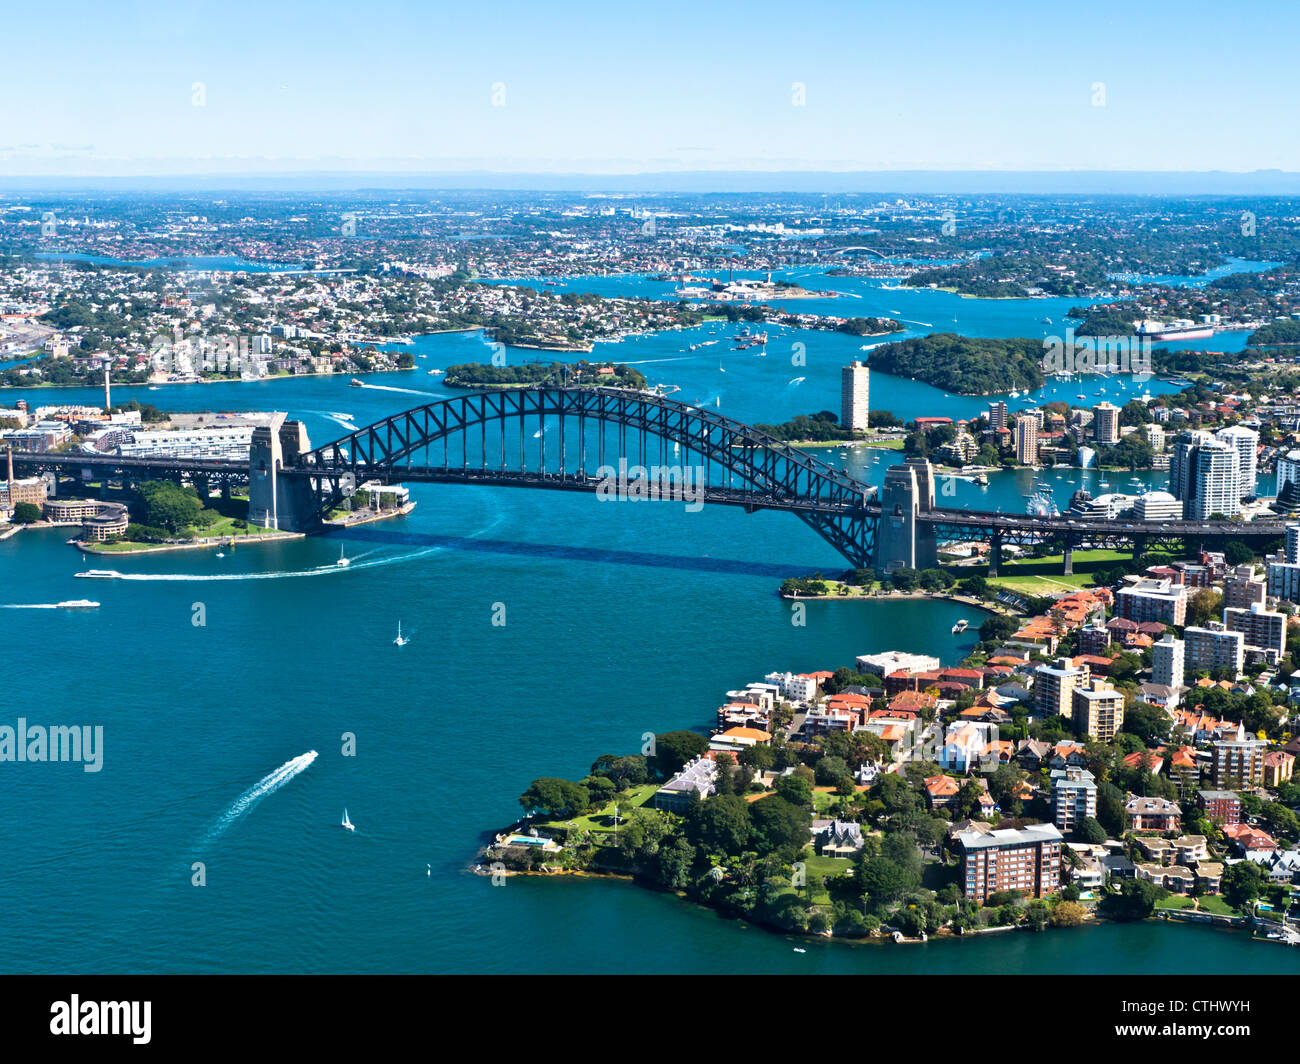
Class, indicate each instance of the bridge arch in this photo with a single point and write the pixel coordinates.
(737, 464)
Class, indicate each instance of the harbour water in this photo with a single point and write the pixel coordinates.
(620, 618)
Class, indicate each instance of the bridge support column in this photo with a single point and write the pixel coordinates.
(995, 554)
(1069, 561)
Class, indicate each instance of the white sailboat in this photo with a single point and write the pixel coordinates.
(347, 824)
(343, 559)
(401, 640)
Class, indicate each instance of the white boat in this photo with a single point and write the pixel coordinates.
(342, 559)
(78, 604)
(221, 554)
(800, 949)
(1014, 395)
(960, 626)
(347, 824)
(100, 574)
(401, 640)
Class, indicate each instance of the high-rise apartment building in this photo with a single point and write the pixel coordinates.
(855, 395)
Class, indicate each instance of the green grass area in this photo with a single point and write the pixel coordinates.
(1045, 576)
(1209, 903)
(601, 821)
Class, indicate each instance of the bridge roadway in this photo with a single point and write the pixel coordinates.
(949, 524)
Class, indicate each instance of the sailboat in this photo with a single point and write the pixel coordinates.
(343, 560)
(401, 640)
(347, 824)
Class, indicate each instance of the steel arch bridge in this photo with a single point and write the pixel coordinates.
(572, 438)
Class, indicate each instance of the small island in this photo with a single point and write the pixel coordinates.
(965, 365)
(528, 374)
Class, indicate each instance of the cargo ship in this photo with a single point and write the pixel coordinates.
(1156, 332)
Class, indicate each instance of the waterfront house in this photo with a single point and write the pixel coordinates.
(1176, 878)
(734, 740)
(1117, 866)
(840, 838)
(697, 778)
(1284, 867)
(1210, 875)
(1026, 859)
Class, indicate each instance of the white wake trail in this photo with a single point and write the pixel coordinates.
(268, 784)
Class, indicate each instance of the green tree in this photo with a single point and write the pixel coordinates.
(719, 824)
(673, 749)
(26, 513)
(779, 827)
(561, 798)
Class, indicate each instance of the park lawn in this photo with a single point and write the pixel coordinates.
(1044, 576)
(1175, 901)
(601, 822)
(1209, 903)
(816, 868)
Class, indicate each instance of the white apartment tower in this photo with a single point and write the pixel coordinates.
(855, 394)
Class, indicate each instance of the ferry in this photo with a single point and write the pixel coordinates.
(981, 479)
(960, 626)
(78, 604)
(100, 574)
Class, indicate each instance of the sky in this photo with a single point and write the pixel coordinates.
(158, 87)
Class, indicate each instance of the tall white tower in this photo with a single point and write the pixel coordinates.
(855, 394)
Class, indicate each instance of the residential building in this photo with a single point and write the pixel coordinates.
(1026, 859)
(696, 778)
(1074, 796)
(1054, 687)
(1243, 589)
(1213, 648)
(1105, 423)
(1278, 768)
(1238, 762)
(998, 418)
(1246, 443)
(1098, 710)
(855, 393)
(1218, 482)
(1167, 662)
(1153, 600)
(1152, 814)
(1026, 440)
(1262, 629)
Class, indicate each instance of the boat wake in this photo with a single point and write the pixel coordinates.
(362, 561)
(407, 391)
(268, 784)
(31, 606)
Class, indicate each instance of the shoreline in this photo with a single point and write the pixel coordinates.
(165, 548)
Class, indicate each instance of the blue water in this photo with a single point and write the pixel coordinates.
(620, 618)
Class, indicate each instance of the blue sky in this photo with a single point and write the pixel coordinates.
(614, 88)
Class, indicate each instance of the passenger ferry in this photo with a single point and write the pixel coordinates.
(100, 574)
(78, 604)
